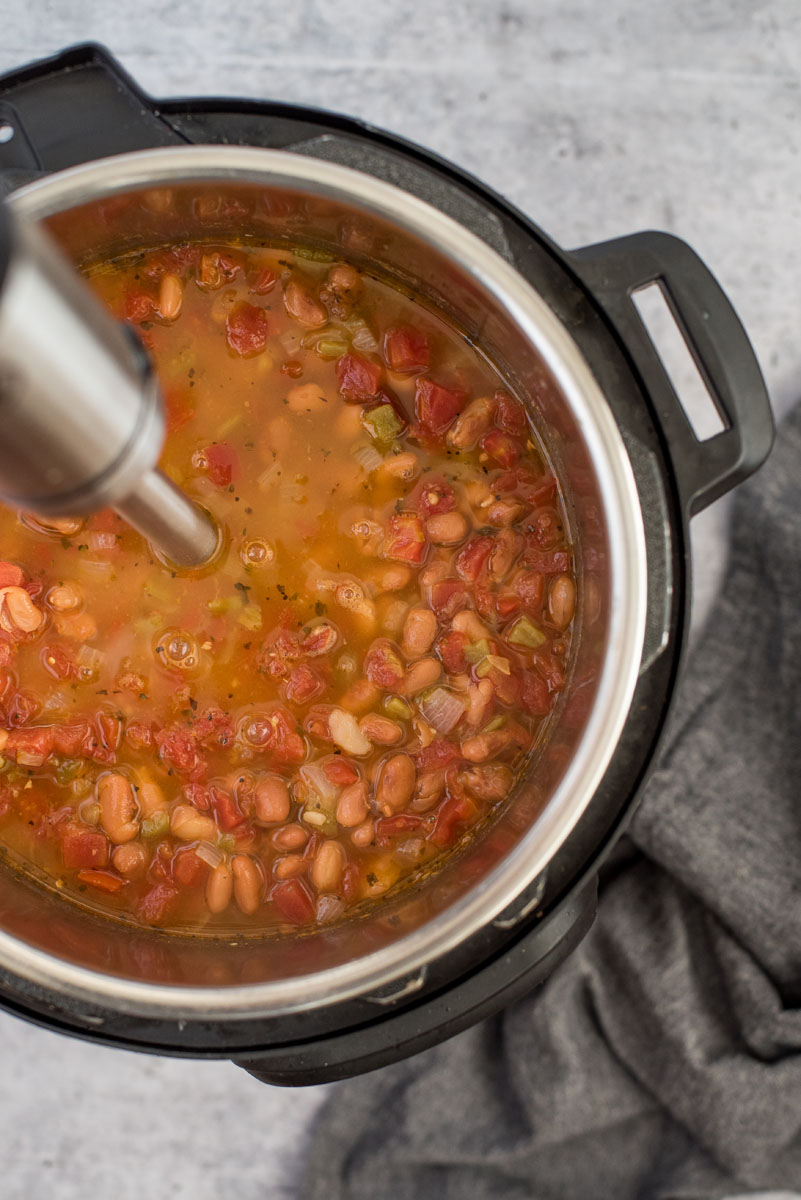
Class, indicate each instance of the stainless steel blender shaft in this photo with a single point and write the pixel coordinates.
(81, 422)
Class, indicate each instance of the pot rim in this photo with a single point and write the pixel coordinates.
(522, 865)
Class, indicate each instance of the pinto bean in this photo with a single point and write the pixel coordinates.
(289, 867)
(352, 804)
(421, 674)
(562, 601)
(430, 787)
(393, 577)
(401, 466)
(504, 512)
(329, 862)
(247, 883)
(303, 306)
(481, 746)
(18, 612)
(472, 423)
(64, 597)
(130, 860)
(118, 808)
(503, 554)
(381, 730)
(78, 627)
(271, 799)
(468, 623)
(492, 781)
(219, 888)
(479, 698)
(419, 631)
(447, 529)
(363, 834)
(396, 784)
(192, 826)
(290, 837)
(306, 397)
(171, 297)
(151, 798)
(360, 696)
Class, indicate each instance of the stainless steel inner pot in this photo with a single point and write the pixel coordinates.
(208, 192)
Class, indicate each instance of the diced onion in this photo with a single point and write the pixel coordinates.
(291, 492)
(328, 909)
(346, 733)
(409, 849)
(442, 709)
(313, 817)
(291, 342)
(210, 854)
(95, 566)
(270, 477)
(368, 458)
(363, 340)
(98, 540)
(91, 658)
(26, 759)
(315, 777)
(501, 664)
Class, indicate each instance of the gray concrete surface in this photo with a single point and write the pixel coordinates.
(597, 120)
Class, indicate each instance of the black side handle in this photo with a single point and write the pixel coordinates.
(717, 342)
(77, 106)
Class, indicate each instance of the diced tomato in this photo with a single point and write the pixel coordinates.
(501, 447)
(188, 869)
(316, 722)
(22, 708)
(452, 651)
(221, 463)
(507, 604)
(507, 687)
(530, 587)
(406, 349)
(177, 749)
(534, 489)
(550, 668)
(215, 269)
(154, 907)
(321, 639)
(510, 414)
(472, 559)
(439, 753)
(286, 745)
(351, 879)
(405, 538)
(179, 408)
(173, 261)
(448, 597)
(280, 648)
(304, 685)
(138, 306)
(83, 847)
(383, 665)
(435, 496)
(340, 772)
(262, 281)
(547, 562)
(104, 881)
(11, 575)
(110, 730)
(247, 329)
(57, 662)
(139, 736)
(390, 827)
(534, 695)
(6, 796)
(455, 811)
(198, 795)
(225, 809)
(71, 739)
(214, 727)
(293, 367)
(359, 378)
(436, 406)
(484, 598)
(31, 743)
(293, 901)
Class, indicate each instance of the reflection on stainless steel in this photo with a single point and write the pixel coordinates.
(82, 420)
(285, 198)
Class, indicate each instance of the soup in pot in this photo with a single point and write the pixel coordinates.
(357, 680)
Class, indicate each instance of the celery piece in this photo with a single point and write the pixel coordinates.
(495, 723)
(331, 347)
(250, 617)
(475, 651)
(218, 606)
(397, 707)
(525, 633)
(493, 660)
(69, 769)
(226, 842)
(382, 423)
(156, 825)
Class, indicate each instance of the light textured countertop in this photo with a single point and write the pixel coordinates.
(595, 119)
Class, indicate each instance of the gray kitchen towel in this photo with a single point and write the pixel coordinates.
(663, 1060)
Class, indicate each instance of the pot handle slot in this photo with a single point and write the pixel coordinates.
(77, 106)
(717, 342)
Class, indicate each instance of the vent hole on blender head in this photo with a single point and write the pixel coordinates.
(679, 364)
(6, 132)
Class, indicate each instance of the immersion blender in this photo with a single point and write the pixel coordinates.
(81, 418)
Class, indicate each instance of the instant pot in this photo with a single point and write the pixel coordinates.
(108, 168)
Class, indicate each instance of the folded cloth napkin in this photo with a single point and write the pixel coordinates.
(663, 1060)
